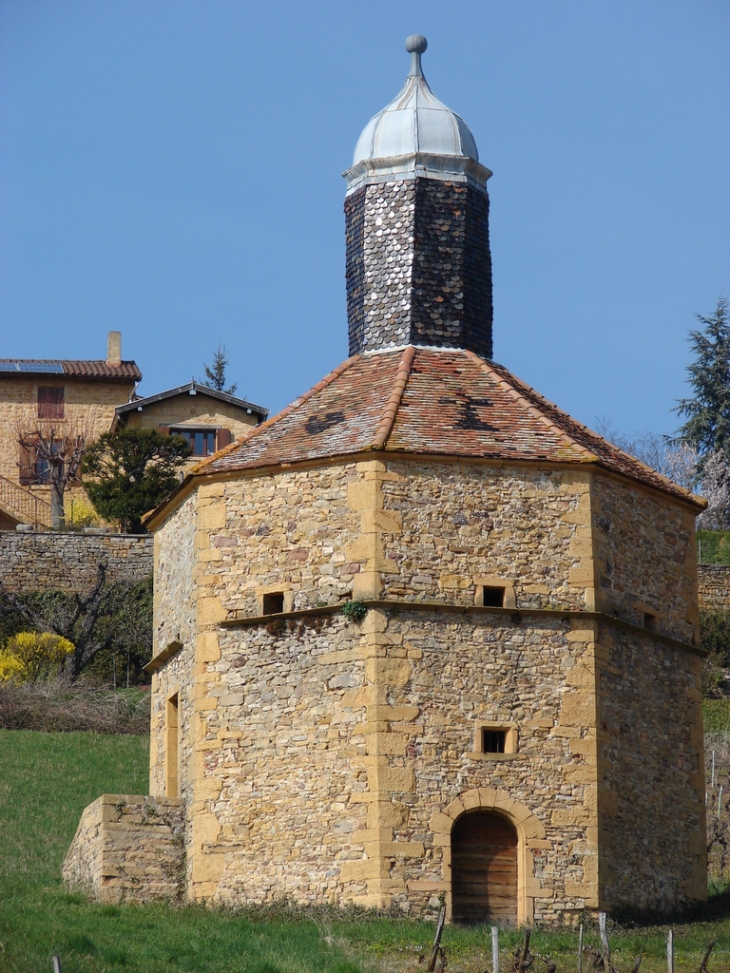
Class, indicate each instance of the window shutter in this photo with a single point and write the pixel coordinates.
(51, 399)
(26, 460)
(224, 438)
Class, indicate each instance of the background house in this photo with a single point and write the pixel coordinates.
(90, 398)
(208, 419)
(69, 396)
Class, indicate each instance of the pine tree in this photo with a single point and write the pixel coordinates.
(707, 428)
(215, 376)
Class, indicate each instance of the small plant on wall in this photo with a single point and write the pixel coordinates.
(355, 611)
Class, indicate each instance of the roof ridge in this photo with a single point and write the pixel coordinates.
(286, 411)
(516, 394)
(402, 375)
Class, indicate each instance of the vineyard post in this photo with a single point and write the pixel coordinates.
(605, 948)
(580, 948)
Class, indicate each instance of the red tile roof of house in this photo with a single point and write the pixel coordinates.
(48, 367)
(432, 402)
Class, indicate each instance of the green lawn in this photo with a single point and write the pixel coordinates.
(46, 779)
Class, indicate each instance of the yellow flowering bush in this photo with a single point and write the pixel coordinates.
(29, 656)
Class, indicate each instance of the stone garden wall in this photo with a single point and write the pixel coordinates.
(128, 848)
(69, 562)
(714, 586)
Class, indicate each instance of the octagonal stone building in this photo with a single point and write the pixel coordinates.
(421, 635)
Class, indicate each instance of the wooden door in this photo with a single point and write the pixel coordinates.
(484, 869)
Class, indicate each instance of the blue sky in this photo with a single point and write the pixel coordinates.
(171, 169)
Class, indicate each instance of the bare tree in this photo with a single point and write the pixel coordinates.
(675, 459)
(54, 449)
(716, 490)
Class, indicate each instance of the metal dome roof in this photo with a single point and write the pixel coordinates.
(415, 121)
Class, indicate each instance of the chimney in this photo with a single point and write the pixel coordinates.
(114, 348)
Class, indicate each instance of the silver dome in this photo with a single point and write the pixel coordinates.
(415, 121)
(416, 135)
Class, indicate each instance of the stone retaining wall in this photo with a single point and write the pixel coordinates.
(128, 848)
(714, 586)
(69, 562)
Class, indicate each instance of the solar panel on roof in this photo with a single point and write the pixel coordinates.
(8, 366)
(50, 367)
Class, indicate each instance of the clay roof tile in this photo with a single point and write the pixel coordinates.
(434, 402)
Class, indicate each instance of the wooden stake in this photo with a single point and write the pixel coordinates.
(712, 784)
(57, 963)
(523, 953)
(437, 939)
(495, 949)
(605, 948)
(670, 951)
(703, 964)
(580, 948)
(719, 803)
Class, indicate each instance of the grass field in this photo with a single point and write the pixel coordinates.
(46, 779)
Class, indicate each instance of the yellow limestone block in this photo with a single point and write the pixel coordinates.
(390, 521)
(391, 672)
(212, 516)
(207, 647)
(207, 867)
(578, 709)
(210, 611)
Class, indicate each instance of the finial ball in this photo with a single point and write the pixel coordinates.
(416, 44)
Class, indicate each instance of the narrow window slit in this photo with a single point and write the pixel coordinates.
(493, 596)
(274, 603)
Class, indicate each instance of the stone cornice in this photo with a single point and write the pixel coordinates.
(516, 615)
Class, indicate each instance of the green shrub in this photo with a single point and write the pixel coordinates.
(713, 546)
(354, 610)
(716, 715)
(715, 635)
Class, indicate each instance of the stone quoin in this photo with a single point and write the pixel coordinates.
(514, 725)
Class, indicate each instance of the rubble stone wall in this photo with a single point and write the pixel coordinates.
(290, 532)
(128, 847)
(332, 750)
(326, 759)
(645, 557)
(69, 562)
(174, 622)
(453, 523)
(651, 772)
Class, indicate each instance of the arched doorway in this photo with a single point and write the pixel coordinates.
(484, 869)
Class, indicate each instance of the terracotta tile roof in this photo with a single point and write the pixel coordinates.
(14, 367)
(433, 402)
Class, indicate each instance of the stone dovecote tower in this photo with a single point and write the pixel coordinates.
(421, 634)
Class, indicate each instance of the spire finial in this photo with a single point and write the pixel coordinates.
(416, 44)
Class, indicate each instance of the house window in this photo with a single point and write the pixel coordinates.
(51, 400)
(494, 741)
(34, 468)
(201, 441)
(493, 596)
(273, 603)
